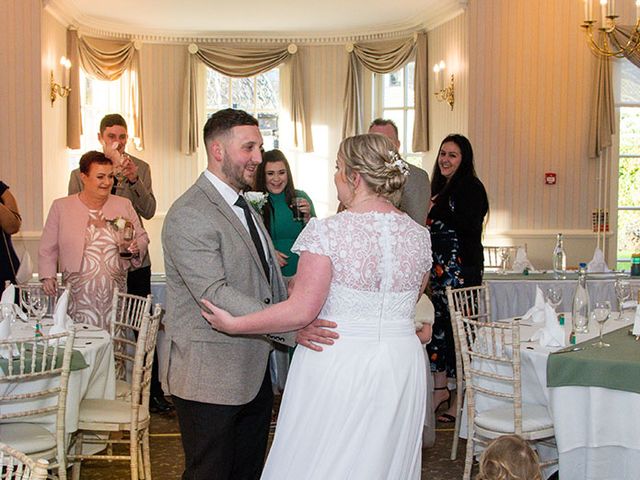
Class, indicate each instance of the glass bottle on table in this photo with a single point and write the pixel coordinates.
(580, 304)
(559, 259)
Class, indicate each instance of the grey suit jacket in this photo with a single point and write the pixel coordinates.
(208, 253)
(140, 193)
(416, 195)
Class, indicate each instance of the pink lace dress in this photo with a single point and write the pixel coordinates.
(101, 271)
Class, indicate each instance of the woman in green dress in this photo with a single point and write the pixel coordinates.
(287, 210)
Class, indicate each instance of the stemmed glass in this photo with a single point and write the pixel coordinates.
(7, 312)
(504, 260)
(554, 297)
(601, 312)
(39, 304)
(623, 292)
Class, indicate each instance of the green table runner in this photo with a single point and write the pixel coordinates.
(77, 360)
(616, 367)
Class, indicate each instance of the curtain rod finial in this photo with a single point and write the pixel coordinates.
(292, 48)
(192, 48)
(349, 47)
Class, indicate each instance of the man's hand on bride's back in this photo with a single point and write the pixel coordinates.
(318, 331)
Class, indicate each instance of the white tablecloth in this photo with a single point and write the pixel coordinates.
(96, 381)
(597, 429)
(512, 297)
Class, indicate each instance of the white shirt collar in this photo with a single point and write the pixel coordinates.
(229, 194)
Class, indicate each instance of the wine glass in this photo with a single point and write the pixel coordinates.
(623, 292)
(7, 312)
(125, 238)
(601, 312)
(25, 300)
(554, 297)
(504, 260)
(39, 304)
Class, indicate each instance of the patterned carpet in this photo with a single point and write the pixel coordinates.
(167, 459)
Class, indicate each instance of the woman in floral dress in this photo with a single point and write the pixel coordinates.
(459, 205)
(83, 234)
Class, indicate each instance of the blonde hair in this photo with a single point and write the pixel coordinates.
(377, 161)
(509, 457)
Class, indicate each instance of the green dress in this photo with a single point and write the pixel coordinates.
(284, 229)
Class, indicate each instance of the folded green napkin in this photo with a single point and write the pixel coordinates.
(77, 360)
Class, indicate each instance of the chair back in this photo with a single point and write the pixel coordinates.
(145, 349)
(125, 324)
(493, 255)
(16, 465)
(470, 302)
(42, 364)
(491, 357)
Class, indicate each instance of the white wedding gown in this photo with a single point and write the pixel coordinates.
(356, 410)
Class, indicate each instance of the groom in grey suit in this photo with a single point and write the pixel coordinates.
(218, 250)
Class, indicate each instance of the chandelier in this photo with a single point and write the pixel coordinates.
(608, 39)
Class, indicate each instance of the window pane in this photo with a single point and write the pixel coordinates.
(629, 179)
(242, 94)
(629, 131)
(407, 146)
(269, 130)
(268, 85)
(393, 89)
(217, 90)
(410, 71)
(398, 117)
(629, 82)
(628, 233)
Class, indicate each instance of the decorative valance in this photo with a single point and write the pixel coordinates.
(387, 57)
(244, 61)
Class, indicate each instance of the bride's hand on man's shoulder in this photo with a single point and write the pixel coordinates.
(318, 331)
(218, 318)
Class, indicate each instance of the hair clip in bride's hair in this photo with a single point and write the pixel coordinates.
(396, 161)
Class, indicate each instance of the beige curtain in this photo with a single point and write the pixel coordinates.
(107, 60)
(386, 57)
(602, 125)
(421, 92)
(74, 121)
(242, 61)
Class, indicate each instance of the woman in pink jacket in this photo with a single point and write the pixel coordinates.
(86, 235)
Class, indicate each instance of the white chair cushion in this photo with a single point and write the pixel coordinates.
(534, 417)
(107, 411)
(27, 437)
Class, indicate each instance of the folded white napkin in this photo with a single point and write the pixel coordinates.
(597, 263)
(552, 334)
(636, 322)
(5, 333)
(61, 321)
(8, 296)
(521, 262)
(537, 312)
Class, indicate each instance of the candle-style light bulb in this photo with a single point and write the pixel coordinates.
(603, 12)
(637, 10)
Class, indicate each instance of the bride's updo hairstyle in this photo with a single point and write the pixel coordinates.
(377, 161)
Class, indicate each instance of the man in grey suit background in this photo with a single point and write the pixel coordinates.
(216, 247)
(416, 193)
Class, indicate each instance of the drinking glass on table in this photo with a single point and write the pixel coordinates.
(505, 257)
(601, 312)
(623, 293)
(554, 297)
(7, 312)
(39, 304)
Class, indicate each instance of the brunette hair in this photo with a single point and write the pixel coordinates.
(221, 122)
(439, 183)
(373, 156)
(509, 457)
(92, 157)
(111, 120)
(273, 156)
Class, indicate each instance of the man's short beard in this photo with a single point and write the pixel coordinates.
(233, 176)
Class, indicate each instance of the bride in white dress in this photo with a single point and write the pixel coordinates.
(354, 410)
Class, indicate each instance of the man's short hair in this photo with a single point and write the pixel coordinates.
(223, 121)
(110, 120)
(383, 122)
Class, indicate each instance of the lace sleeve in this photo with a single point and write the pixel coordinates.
(311, 240)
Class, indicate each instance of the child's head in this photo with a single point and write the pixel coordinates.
(509, 457)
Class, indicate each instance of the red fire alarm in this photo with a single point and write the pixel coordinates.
(549, 178)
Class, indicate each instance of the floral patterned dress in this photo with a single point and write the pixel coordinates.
(101, 271)
(445, 272)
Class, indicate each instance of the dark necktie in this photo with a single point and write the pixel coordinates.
(115, 184)
(253, 231)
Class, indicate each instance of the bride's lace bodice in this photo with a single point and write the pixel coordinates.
(378, 262)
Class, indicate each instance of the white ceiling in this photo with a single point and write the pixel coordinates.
(202, 18)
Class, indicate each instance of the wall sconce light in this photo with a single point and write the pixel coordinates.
(443, 93)
(55, 89)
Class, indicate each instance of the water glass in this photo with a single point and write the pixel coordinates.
(298, 215)
(505, 258)
(554, 297)
(601, 312)
(623, 293)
